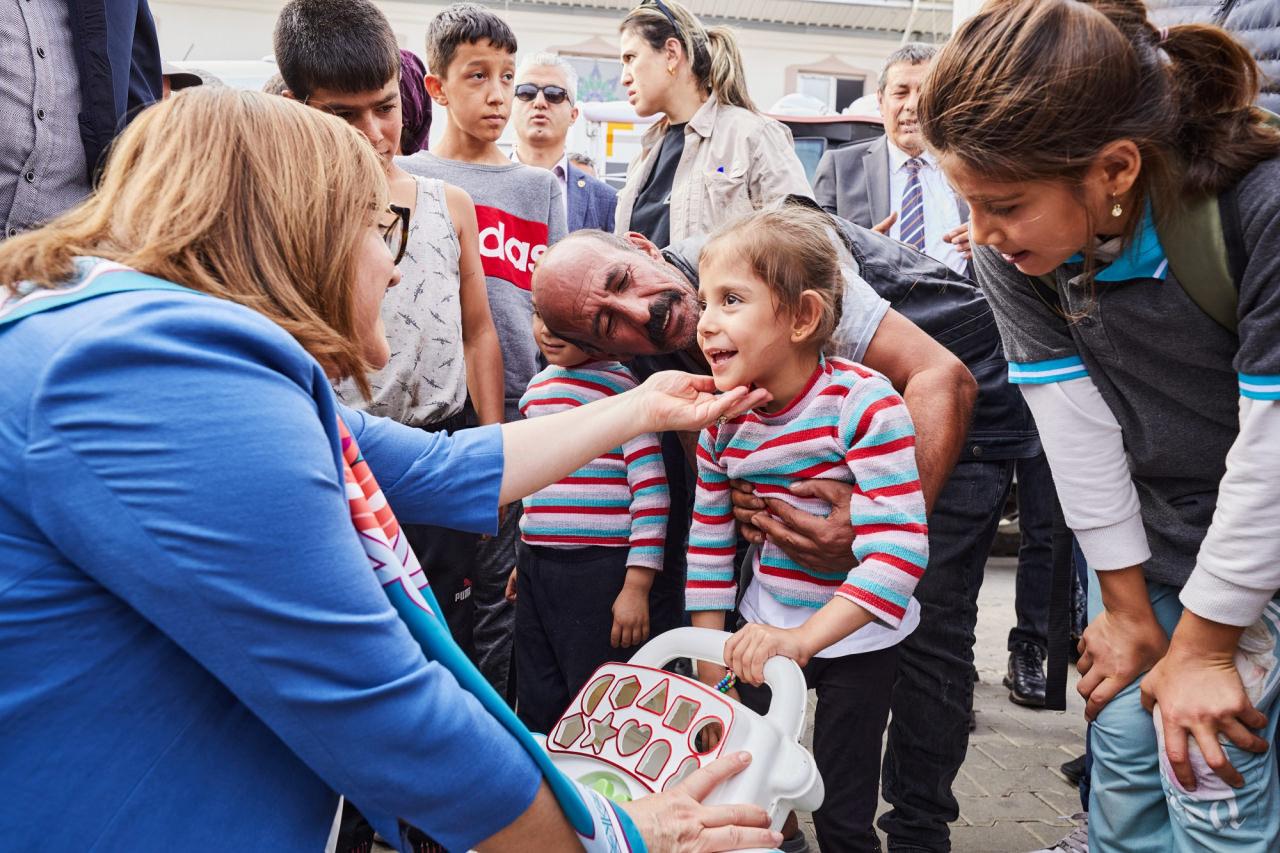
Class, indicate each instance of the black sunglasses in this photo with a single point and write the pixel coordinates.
(396, 232)
(553, 94)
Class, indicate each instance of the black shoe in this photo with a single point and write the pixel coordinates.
(1026, 675)
(1073, 770)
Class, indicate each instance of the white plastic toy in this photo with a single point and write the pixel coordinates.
(635, 729)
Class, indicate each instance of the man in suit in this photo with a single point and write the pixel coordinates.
(892, 184)
(544, 110)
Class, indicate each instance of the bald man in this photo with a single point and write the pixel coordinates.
(938, 345)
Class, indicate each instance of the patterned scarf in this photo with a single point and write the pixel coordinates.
(388, 551)
(598, 822)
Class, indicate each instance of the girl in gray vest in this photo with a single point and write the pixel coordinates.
(1081, 136)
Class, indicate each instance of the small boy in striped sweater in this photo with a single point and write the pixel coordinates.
(771, 291)
(589, 544)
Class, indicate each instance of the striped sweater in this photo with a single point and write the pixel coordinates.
(849, 425)
(617, 500)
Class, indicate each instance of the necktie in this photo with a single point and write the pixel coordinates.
(912, 230)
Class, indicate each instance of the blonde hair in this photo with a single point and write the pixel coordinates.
(713, 52)
(790, 249)
(248, 197)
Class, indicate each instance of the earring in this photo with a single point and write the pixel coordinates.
(1116, 209)
(671, 69)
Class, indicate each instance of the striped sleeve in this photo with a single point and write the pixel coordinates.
(1033, 327)
(886, 508)
(650, 500)
(709, 584)
(1047, 371)
(1259, 387)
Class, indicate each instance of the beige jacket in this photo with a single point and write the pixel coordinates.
(734, 161)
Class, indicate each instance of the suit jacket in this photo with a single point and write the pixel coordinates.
(592, 202)
(118, 57)
(853, 183)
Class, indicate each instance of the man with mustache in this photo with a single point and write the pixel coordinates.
(938, 345)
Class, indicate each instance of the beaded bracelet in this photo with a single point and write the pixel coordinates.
(726, 684)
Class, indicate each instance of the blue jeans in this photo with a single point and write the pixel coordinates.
(933, 692)
(1135, 806)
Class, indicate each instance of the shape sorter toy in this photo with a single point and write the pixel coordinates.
(635, 729)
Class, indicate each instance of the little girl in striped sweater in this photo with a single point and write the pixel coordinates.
(771, 286)
(589, 544)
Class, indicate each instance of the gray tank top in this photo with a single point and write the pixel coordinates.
(425, 381)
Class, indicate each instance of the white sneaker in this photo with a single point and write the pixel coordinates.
(1076, 841)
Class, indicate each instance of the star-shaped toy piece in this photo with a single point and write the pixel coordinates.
(599, 733)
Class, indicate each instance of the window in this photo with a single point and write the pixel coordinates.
(836, 92)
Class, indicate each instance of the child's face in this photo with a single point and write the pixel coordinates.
(1034, 225)
(477, 89)
(746, 339)
(375, 113)
(555, 350)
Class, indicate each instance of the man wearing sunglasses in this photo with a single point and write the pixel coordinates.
(545, 109)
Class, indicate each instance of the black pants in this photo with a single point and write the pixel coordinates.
(448, 558)
(564, 615)
(848, 725)
(1036, 499)
(933, 694)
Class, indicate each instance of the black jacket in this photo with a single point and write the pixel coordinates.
(118, 57)
(1256, 23)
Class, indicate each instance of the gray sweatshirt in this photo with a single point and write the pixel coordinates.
(520, 213)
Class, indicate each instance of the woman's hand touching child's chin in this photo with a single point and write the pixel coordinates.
(679, 401)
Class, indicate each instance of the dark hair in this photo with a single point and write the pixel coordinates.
(344, 45)
(1031, 90)
(911, 53)
(415, 106)
(275, 85)
(464, 23)
(790, 249)
(713, 53)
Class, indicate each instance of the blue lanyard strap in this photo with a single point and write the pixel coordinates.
(97, 278)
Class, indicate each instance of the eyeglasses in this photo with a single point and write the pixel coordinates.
(666, 13)
(396, 232)
(553, 94)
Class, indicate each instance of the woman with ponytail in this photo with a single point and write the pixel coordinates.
(1105, 163)
(712, 157)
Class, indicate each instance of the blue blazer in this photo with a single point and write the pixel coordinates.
(591, 201)
(118, 57)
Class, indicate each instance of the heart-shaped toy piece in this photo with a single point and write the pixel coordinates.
(632, 737)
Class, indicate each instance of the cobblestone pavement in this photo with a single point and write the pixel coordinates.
(1012, 795)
